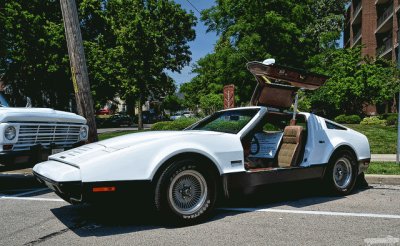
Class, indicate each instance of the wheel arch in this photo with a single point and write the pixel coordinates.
(340, 148)
(344, 147)
(192, 155)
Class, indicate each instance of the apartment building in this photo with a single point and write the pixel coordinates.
(373, 24)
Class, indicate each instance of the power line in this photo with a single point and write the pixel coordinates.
(193, 6)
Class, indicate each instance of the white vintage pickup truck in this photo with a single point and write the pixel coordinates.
(31, 134)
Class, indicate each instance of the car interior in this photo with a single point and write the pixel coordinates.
(277, 142)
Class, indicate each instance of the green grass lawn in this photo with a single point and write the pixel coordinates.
(388, 168)
(383, 139)
(107, 135)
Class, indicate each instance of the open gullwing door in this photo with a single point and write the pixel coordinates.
(278, 85)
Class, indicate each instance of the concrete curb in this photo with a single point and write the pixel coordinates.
(383, 179)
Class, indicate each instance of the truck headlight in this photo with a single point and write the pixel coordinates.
(10, 132)
(83, 133)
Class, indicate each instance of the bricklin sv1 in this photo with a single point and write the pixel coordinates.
(184, 172)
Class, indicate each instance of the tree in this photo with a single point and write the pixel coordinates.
(289, 31)
(173, 103)
(211, 103)
(151, 37)
(354, 82)
(34, 57)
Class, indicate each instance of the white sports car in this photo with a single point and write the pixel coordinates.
(183, 172)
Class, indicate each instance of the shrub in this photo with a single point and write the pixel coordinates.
(391, 120)
(387, 115)
(178, 124)
(373, 120)
(348, 119)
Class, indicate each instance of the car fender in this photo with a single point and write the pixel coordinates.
(141, 162)
(350, 138)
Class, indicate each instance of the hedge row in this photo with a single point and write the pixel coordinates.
(384, 119)
(348, 119)
(178, 124)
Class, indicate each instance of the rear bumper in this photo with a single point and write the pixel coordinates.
(363, 165)
(87, 192)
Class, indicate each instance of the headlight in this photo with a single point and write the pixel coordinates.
(83, 133)
(10, 132)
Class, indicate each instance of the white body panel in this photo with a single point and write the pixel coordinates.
(322, 142)
(139, 156)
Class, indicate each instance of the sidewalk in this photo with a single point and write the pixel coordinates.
(383, 179)
(383, 158)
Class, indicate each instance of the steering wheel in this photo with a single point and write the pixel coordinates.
(257, 143)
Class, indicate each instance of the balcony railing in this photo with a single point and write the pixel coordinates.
(385, 15)
(357, 36)
(386, 46)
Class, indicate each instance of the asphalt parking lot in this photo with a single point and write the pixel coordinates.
(293, 214)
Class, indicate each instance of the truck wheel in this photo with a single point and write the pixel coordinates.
(341, 173)
(186, 192)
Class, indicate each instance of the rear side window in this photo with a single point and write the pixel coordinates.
(333, 126)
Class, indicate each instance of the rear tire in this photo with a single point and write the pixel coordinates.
(342, 172)
(186, 192)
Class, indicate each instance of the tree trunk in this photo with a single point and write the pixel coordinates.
(130, 105)
(80, 78)
(140, 115)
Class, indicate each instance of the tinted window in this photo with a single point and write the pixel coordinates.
(333, 126)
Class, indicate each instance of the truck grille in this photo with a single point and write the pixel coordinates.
(61, 134)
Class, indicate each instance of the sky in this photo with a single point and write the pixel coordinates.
(202, 45)
(204, 42)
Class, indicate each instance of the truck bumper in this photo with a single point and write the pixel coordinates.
(35, 154)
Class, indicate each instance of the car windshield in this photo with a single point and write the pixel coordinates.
(231, 121)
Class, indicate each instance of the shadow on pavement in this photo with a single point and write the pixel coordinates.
(15, 167)
(14, 182)
(86, 220)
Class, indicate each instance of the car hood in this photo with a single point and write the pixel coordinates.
(88, 152)
(8, 114)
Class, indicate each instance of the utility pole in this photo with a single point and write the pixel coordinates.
(77, 60)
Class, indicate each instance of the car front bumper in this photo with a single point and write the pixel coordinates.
(76, 192)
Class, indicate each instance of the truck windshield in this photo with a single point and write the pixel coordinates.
(231, 121)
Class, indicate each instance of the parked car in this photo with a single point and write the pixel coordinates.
(117, 120)
(32, 134)
(176, 116)
(234, 150)
(104, 111)
(148, 117)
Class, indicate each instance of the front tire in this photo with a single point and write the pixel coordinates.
(186, 192)
(342, 172)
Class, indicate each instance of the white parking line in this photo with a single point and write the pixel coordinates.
(29, 192)
(32, 199)
(328, 213)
